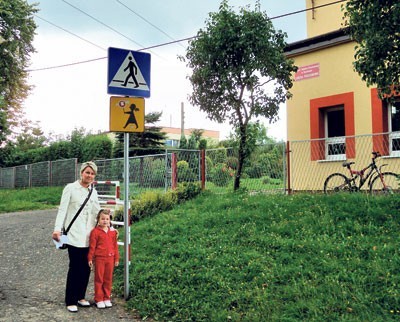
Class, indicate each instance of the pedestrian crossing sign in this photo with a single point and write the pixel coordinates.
(126, 114)
(128, 72)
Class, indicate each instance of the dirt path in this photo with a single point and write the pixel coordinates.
(33, 273)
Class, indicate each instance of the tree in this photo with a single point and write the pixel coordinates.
(194, 139)
(183, 142)
(17, 29)
(374, 25)
(77, 139)
(151, 141)
(31, 136)
(233, 60)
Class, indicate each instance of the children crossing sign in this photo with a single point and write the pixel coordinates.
(128, 72)
(126, 114)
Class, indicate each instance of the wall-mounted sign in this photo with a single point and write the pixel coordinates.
(307, 72)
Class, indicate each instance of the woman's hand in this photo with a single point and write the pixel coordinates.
(56, 235)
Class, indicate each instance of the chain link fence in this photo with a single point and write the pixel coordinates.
(312, 161)
(41, 174)
(263, 170)
(278, 167)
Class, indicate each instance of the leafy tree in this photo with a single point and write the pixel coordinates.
(196, 140)
(192, 143)
(256, 135)
(183, 142)
(197, 134)
(96, 147)
(203, 144)
(7, 155)
(31, 136)
(232, 61)
(374, 25)
(17, 28)
(77, 139)
(151, 141)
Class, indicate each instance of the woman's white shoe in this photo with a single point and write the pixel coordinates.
(84, 303)
(72, 308)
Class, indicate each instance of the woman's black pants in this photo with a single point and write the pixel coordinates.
(78, 275)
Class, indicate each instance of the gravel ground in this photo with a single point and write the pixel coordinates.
(33, 274)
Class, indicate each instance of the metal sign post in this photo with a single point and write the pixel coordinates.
(126, 216)
(128, 75)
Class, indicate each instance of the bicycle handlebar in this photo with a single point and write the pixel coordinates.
(375, 154)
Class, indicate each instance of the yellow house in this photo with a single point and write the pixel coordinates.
(174, 135)
(333, 116)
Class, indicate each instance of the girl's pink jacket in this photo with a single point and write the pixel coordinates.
(103, 244)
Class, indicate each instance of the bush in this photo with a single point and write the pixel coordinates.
(255, 171)
(187, 190)
(221, 174)
(150, 203)
(185, 173)
(232, 162)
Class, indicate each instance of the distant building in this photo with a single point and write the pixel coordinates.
(174, 135)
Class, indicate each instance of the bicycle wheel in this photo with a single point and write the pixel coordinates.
(391, 185)
(336, 182)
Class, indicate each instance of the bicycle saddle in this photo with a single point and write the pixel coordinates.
(347, 164)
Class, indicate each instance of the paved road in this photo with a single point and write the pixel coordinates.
(33, 273)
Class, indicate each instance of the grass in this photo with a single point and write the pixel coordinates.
(235, 257)
(12, 200)
(268, 258)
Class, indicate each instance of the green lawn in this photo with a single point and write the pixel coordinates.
(12, 200)
(236, 257)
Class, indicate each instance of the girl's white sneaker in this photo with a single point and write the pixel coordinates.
(100, 305)
(108, 303)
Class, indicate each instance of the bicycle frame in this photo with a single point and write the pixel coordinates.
(355, 174)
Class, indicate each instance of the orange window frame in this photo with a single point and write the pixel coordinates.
(317, 125)
(380, 123)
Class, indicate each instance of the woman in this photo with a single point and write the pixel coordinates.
(72, 198)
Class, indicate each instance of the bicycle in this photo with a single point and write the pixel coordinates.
(378, 181)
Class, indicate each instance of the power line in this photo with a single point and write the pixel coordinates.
(304, 10)
(180, 40)
(67, 65)
(63, 29)
(100, 58)
(102, 23)
(144, 19)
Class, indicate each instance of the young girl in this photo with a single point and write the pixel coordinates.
(103, 249)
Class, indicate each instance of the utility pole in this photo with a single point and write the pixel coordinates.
(182, 119)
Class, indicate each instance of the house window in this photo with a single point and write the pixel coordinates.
(385, 125)
(335, 143)
(332, 127)
(172, 143)
(394, 128)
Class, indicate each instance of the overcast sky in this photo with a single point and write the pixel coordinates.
(71, 32)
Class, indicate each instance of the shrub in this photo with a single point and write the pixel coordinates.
(185, 173)
(187, 190)
(232, 162)
(150, 203)
(254, 171)
(221, 174)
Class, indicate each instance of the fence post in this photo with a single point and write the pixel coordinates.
(289, 189)
(174, 176)
(203, 168)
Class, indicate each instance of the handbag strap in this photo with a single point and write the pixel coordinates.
(80, 209)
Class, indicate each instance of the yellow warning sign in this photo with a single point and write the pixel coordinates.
(126, 114)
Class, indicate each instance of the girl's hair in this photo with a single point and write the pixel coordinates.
(103, 211)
